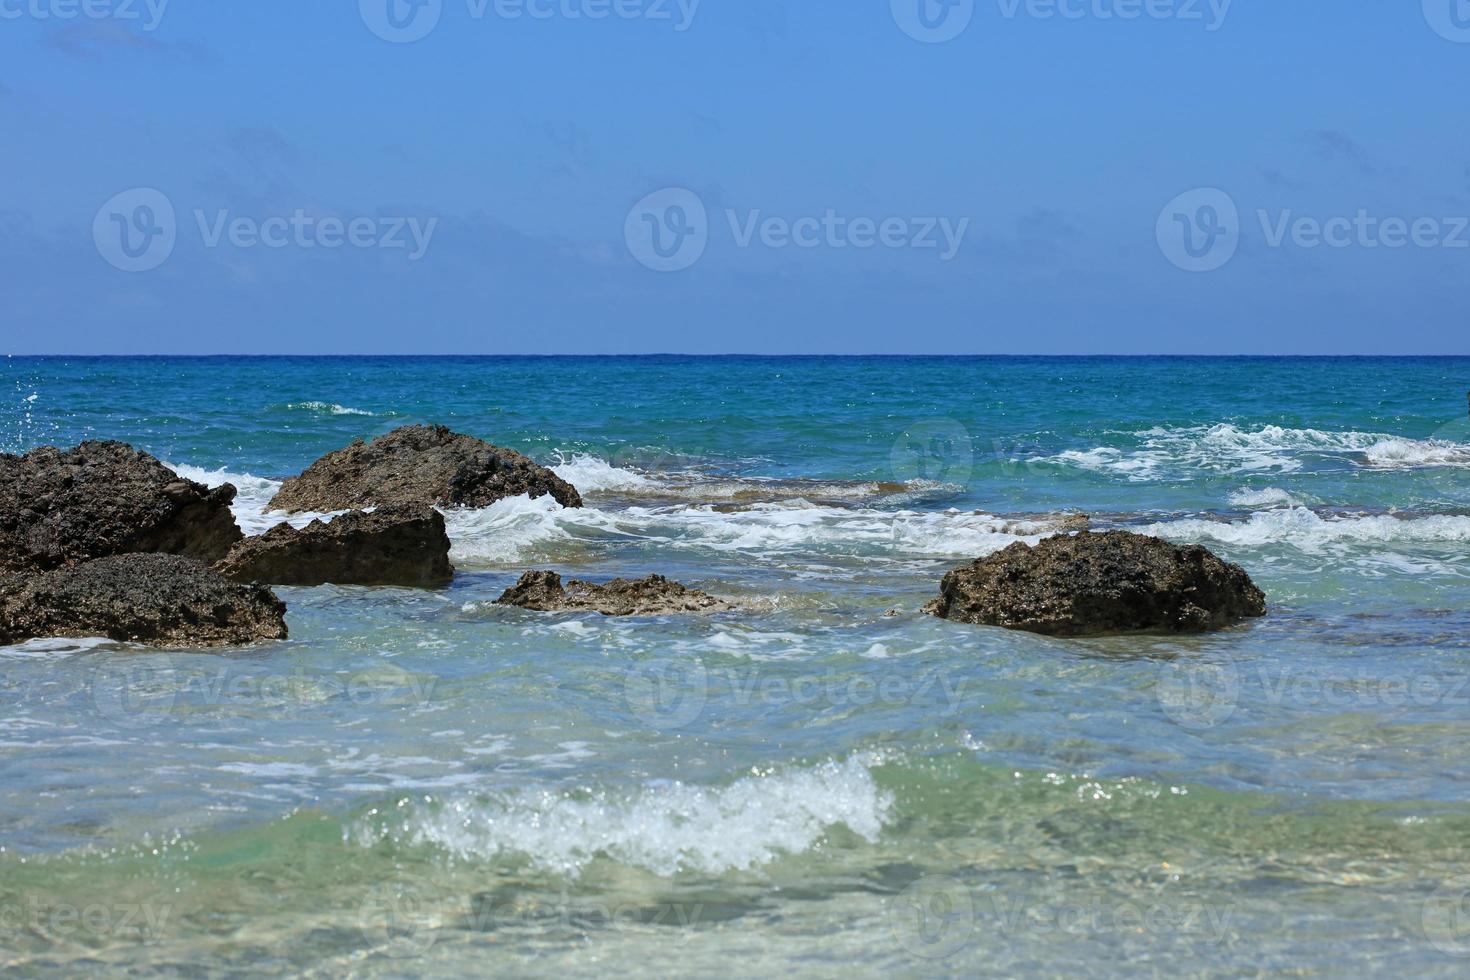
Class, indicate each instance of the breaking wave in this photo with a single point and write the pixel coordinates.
(664, 827)
(328, 408)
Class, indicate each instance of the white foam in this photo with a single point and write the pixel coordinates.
(797, 527)
(330, 408)
(664, 827)
(1176, 453)
(590, 474)
(519, 527)
(1305, 530)
(1402, 453)
(1264, 498)
(253, 494)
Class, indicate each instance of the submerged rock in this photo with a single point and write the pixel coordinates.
(162, 600)
(106, 498)
(420, 464)
(1091, 583)
(403, 545)
(652, 596)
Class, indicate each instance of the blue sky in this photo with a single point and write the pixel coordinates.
(531, 153)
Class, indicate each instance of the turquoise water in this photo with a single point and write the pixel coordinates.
(421, 783)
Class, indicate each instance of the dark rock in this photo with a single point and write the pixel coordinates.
(652, 596)
(404, 545)
(14, 560)
(420, 464)
(106, 498)
(162, 600)
(1090, 583)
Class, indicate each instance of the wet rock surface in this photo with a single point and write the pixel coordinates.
(106, 498)
(160, 600)
(403, 545)
(424, 465)
(1099, 583)
(652, 596)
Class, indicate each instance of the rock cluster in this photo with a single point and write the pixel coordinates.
(104, 540)
(420, 464)
(652, 596)
(1095, 583)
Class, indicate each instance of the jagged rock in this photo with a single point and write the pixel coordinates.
(652, 596)
(420, 464)
(161, 600)
(1090, 583)
(106, 498)
(403, 545)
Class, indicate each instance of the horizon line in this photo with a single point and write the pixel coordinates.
(675, 354)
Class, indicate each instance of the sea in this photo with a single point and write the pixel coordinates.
(824, 782)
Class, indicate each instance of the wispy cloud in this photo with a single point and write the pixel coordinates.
(262, 146)
(91, 40)
(1334, 144)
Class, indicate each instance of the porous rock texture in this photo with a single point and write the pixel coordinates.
(1098, 583)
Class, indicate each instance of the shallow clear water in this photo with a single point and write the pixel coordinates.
(423, 783)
